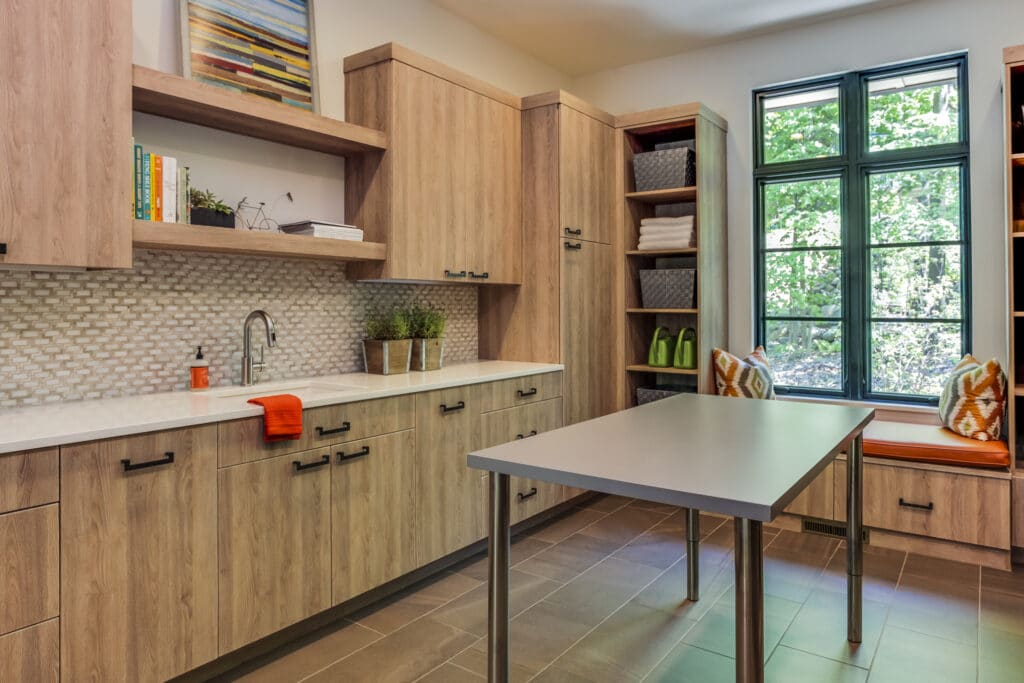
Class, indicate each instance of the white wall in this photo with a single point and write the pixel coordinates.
(234, 166)
(723, 77)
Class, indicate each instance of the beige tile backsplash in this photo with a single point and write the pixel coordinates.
(79, 335)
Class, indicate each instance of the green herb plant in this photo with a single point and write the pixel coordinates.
(388, 324)
(206, 199)
(427, 322)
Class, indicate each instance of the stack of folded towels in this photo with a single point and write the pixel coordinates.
(666, 233)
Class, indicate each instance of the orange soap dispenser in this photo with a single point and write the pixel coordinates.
(200, 372)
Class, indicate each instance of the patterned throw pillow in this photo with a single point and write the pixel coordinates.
(749, 377)
(973, 399)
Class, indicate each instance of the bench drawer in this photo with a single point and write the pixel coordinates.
(945, 505)
(508, 393)
(29, 479)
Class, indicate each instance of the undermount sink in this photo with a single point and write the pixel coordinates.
(300, 389)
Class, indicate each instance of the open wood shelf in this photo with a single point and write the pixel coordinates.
(174, 97)
(667, 371)
(658, 253)
(670, 311)
(181, 237)
(1017, 159)
(668, 196)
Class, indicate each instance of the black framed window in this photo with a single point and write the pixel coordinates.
(862, 212)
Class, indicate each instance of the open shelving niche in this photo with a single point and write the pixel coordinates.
(1013, 87)
(706, 199)
(173, 97)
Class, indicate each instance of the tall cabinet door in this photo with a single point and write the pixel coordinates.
(587, 329)
(65, 137)
(586, 176)
(139, 556)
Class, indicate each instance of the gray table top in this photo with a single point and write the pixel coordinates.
(734, 456)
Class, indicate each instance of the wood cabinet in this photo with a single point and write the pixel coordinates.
(586, 172)
(29, 552)
(446, 195)
(138, 568)
(373, 513)
(31, 655)
(28, 479)
(519, 391)
(65, 143)
(817, 500)
(274, 530)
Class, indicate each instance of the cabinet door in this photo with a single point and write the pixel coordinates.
(31, 655)
(65, 141)
(451, 513)
(587, 337)
(138, 556)
(274, 532)
(28, 571)
(586, 176)
(373, 499)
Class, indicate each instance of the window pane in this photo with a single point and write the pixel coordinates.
(803, 283)
(915, 206)
(913, 110)
(916, 282)
(801, 125)
(806, 353)
(913, 358)
(806, 213)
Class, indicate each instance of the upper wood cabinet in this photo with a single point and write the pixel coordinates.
(446, 195)
(586, 172)
(65, 140)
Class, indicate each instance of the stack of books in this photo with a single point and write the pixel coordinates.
(160, 188)
(334, 231)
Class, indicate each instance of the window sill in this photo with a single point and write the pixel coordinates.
(884, 411)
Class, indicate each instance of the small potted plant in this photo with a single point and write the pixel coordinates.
(387, 347)
(427, 331)
(208, 209)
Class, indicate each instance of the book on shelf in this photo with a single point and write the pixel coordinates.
(137, 169)
(160, 188)
(311, 228)
(156, 186)
(147, 185)
(169, 190)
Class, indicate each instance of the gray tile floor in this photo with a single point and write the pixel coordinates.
(598, 595)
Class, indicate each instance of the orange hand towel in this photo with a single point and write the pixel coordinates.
(282, 417)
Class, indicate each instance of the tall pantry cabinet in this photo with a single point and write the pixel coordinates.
(562, 312)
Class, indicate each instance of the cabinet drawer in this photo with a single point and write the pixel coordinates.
(29, 479)
(956, 507)
(29, 567)
(528, 497)
(503, 426)
(518, 391)
(242, 440)
(31, 654)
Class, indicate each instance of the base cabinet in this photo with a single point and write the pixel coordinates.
(138, 541)
(31, 655)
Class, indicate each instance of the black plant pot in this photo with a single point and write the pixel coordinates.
(212, 218)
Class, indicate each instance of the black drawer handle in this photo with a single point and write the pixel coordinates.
(479, 276)
(166, 460)
(3, 248)
(531, 494)
(310, 465)
(343, 456)
(533, 432)
(576, 247)
(454, 273)
(577, 231)
(523, 394)
(917, 506)
(445, 408)
(345, 426)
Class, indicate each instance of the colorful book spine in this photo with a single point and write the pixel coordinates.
(137, 172)
(169, 202)
(156, 187)
(147, 187)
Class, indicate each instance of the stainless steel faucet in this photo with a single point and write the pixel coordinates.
(248, 364)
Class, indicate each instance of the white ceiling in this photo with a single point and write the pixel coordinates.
(583, 36)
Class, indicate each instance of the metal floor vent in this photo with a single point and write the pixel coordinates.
(834, 529)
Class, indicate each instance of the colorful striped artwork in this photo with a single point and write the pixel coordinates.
(261, 47)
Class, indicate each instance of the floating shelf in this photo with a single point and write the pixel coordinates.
(1018, 229)
(672, 194)
(177, 236)
(174, 97)
(1018, 314)
(670, 311)
(667, 371)
(655, 253)
(1017, 159)
(1018, 390)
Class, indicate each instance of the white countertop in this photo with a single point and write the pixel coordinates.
(57, 424)
(739, 457)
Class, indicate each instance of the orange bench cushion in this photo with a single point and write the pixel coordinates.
(931, 443)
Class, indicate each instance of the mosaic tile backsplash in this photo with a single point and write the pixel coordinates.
(82, 335)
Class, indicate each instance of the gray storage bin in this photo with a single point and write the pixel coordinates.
(668, 287)
(664, 168)
(658, 392)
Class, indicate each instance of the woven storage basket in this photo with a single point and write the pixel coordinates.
(664, 168)
(657, 392)
(668, 287)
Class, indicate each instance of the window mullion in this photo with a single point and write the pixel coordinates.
(855, 230)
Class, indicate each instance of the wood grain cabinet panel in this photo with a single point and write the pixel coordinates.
(274, 531)
(817, 500)
(519, 391)
(373, 513)
(138, 541)
(31, 655)
(1017, 520)
(29, 479)
(586, 171)
(29, 567)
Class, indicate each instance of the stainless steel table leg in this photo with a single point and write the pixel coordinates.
(497, 572)
(692, 554)
(749, 602)
(854, 539)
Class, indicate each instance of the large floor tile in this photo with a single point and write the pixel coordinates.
(1002, 611)
(623, 525)
(395, 612)
(688, 664)
(322, 649)
(522, 548)
(716, 630)
(568, 559)
(562, 528)
(469, 611)
(820, 627)
(1003, 581)
(663, 508)
(659, 547)
(475, 659)
(667, 593)
(937, 569)
(794, 666)
(1000, 656)
(906, 656)
(449, 673)
(602, 589)
(603, 502)
(882, 569)
(937, 608)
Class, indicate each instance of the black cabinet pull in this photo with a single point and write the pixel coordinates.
(533, 432)
(917, 506)
(166, 460)
(345, 426)
(454, 273)
(3, 248)
(577, 231)
(445, 408)
(343, 456)
(531, 494)
(523, 394)
(576, 247)
(310, 465)
(479, 276)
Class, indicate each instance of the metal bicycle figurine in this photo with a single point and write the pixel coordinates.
(260, 219)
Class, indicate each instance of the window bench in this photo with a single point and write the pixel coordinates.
(932, 444)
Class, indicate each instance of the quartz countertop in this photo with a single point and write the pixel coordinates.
(58, 424)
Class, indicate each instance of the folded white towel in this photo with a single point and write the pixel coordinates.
(678, 220)
(665, 230)
(685, 239)
(663, 244)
